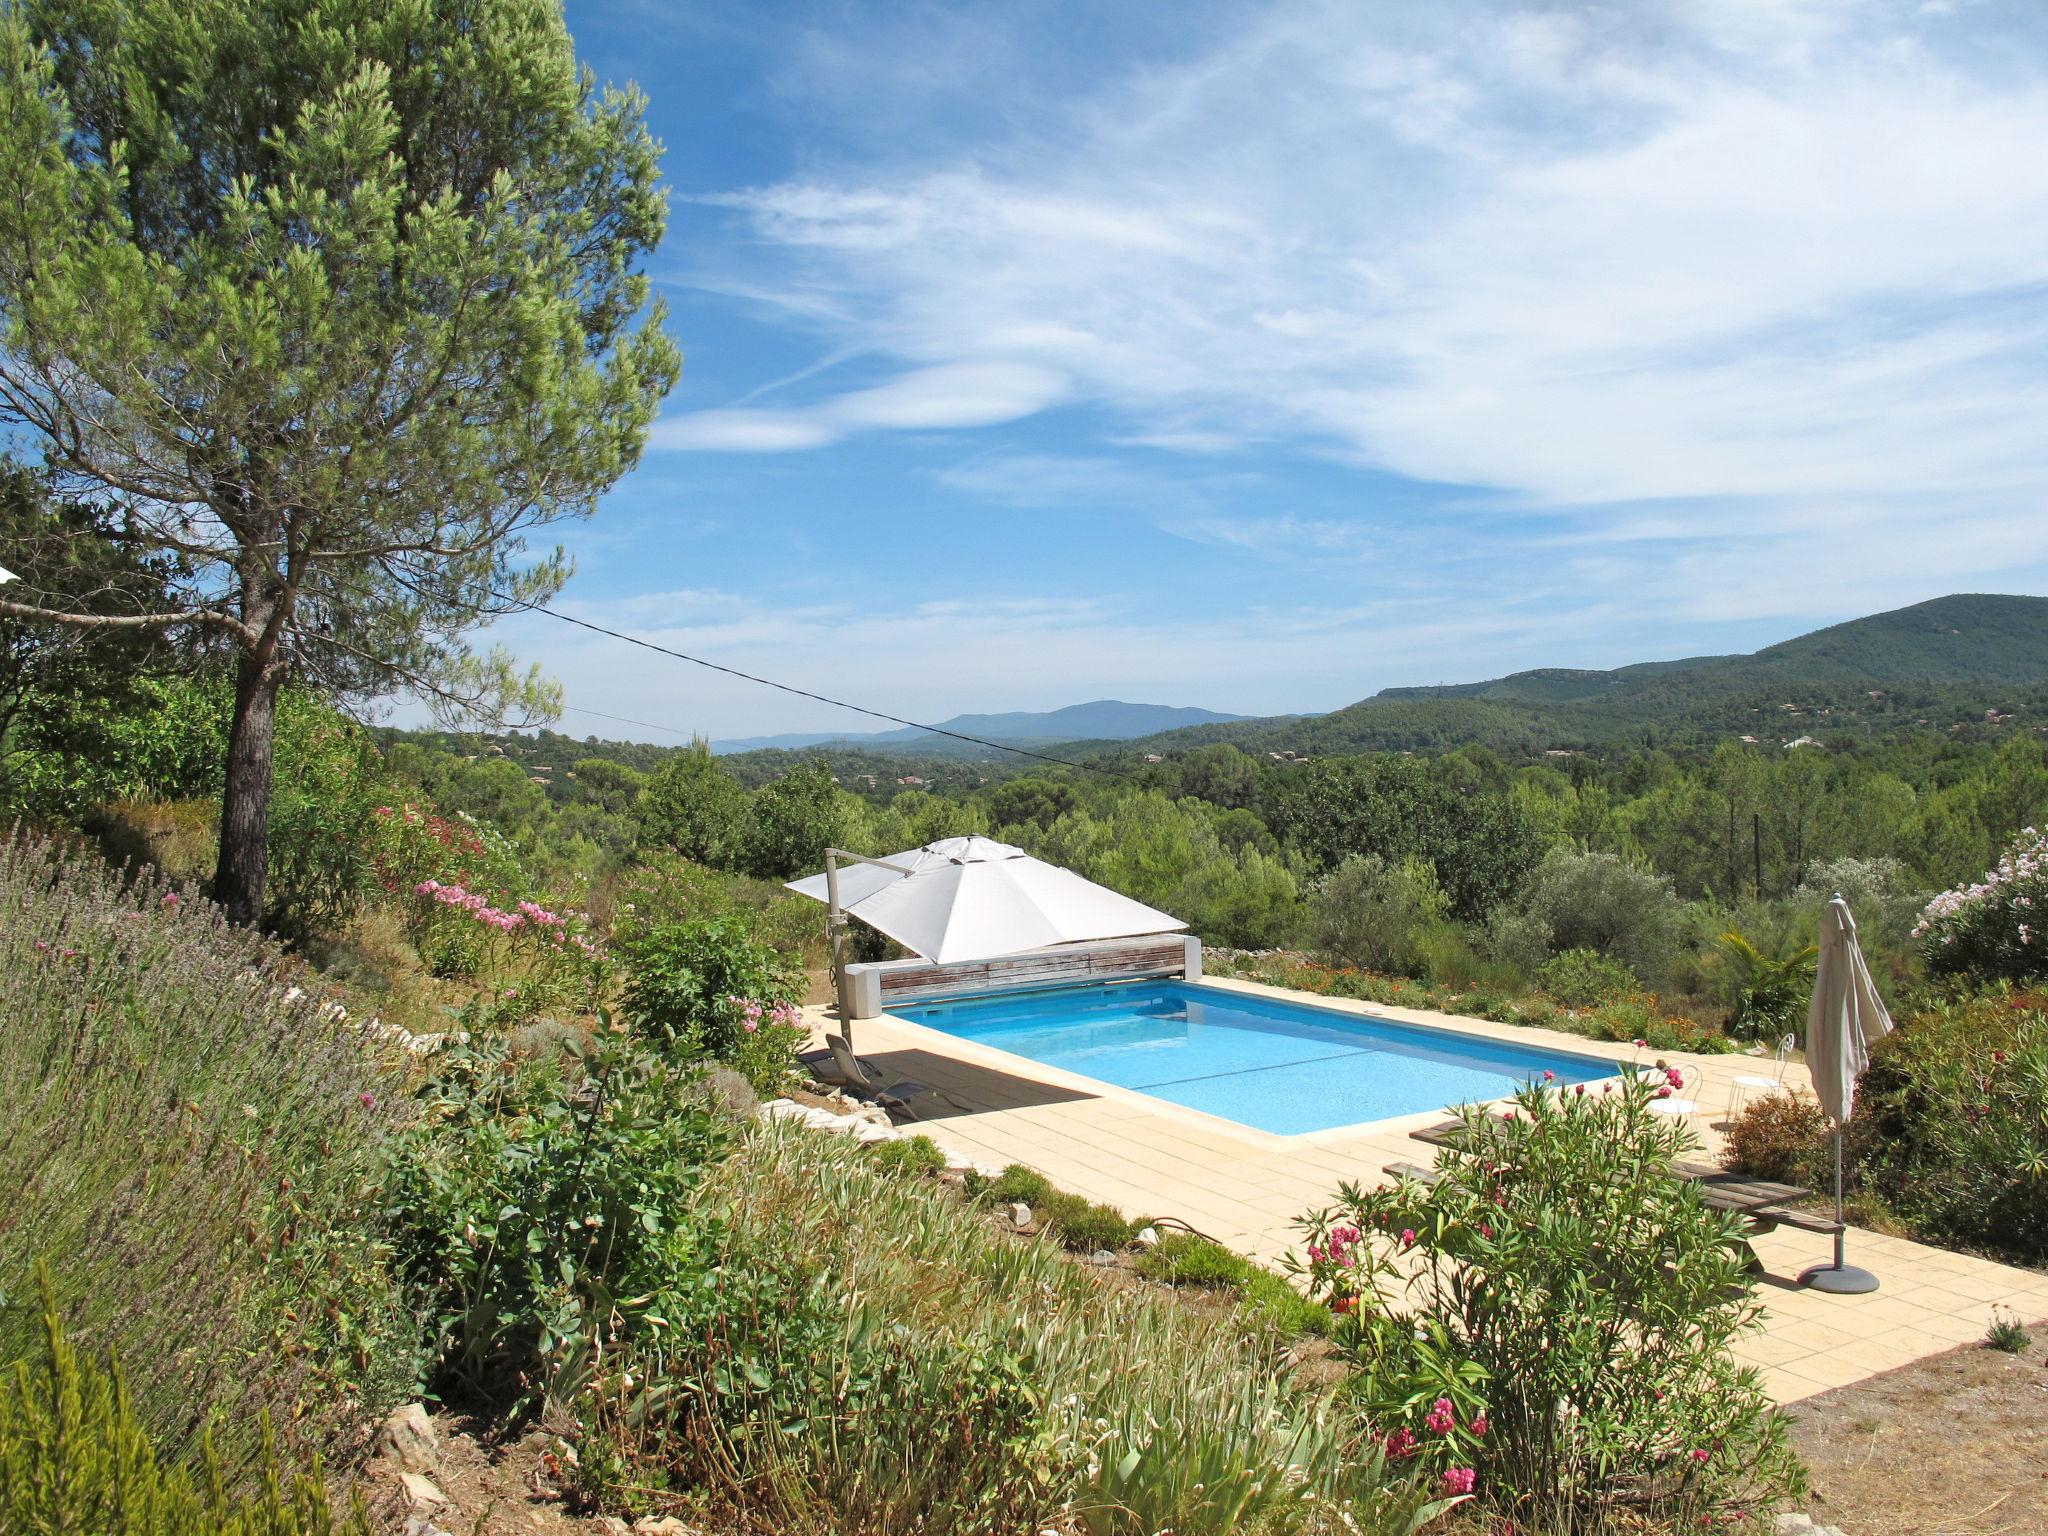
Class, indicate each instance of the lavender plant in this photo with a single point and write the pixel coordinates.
(179, 1127)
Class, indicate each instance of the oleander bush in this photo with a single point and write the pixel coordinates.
(75, 1458)
(186, 1138)
(1995, 928)
(1951, 1124)
(873, 1353)
(1548, 1323)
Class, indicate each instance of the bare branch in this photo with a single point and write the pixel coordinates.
(209, 616)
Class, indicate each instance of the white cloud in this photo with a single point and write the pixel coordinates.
(951, 395)
(1764, 253)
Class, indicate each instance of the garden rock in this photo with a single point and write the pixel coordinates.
(420, 1492)
(1792, 1522)
(662, 1525)
(419, 1525)
(1020, 1216)
(1103, 1259)
(408, 1434)
(1148, 1237)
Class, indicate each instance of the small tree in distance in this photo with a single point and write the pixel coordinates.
(336, 305)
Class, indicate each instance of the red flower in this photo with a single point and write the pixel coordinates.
(1400, 1445)
(1459, 1480)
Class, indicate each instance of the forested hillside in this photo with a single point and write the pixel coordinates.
(1937, 665)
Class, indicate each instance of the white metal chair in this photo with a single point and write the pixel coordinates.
(1749, 1084)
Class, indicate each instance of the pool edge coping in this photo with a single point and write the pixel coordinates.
(994, 1058)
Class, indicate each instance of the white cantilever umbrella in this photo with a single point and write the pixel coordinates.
(972, 898)
(1846, 1015)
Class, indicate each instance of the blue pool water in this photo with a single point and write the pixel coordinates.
(1278, 1066)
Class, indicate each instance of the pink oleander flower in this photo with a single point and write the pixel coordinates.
(1400, 1445)
(1485, 1230)
(1700, 1454)
(1407, 1237)
(1478, 1424)
(43, 945)
(1549, 1076)
(171, 900)
(1674, 1077)
(1442, 1418)
(1458, 1481)
(367, 1100)
(1664, 1092)
(1579, 1089)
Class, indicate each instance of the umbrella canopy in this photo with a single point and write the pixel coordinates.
(972, 898)
(1845, 1016)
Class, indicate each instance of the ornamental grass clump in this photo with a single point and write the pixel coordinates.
(185, 1137)
(873, 1355)
(1547, 1325)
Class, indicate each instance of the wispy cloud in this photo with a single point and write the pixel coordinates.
(949, 395)
(1733, 253)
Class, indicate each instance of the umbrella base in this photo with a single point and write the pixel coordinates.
(1839, 1280)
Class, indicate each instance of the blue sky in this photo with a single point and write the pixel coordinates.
(1260, 357)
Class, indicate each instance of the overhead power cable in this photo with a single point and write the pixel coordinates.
(802, 693)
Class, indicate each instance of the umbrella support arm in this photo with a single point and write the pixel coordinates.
(835, 930)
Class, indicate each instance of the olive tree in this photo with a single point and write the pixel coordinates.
(334, 304)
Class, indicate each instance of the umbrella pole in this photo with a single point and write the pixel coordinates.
(835, 939)
(1839, 1278)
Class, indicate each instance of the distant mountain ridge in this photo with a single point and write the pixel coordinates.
(1951, 656)
(1100, 720)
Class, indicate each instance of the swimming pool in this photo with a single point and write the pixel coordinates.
(1275, 1065)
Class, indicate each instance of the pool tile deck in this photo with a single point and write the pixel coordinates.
(1245, 1187)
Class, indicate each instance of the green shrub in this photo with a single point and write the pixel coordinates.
(1951, 1124)
(1445, 957)
(975, 1384)
(1557, 1261)
(1271, 1302)
(188, 1140)
(1183, 1258)
(1585, 978)
(913, 1157)
(1601, 902)
(1368, 910)
(1083, 1227)
(545, 1212)
(1783, 1137)
(75, 1458)
(1015, 1183)
(706, 990)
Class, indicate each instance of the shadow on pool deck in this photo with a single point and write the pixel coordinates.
(964, 1088)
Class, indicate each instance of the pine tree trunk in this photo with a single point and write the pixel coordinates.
(245, 804)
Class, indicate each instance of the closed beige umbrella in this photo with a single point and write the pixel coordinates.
(1845, 1016)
